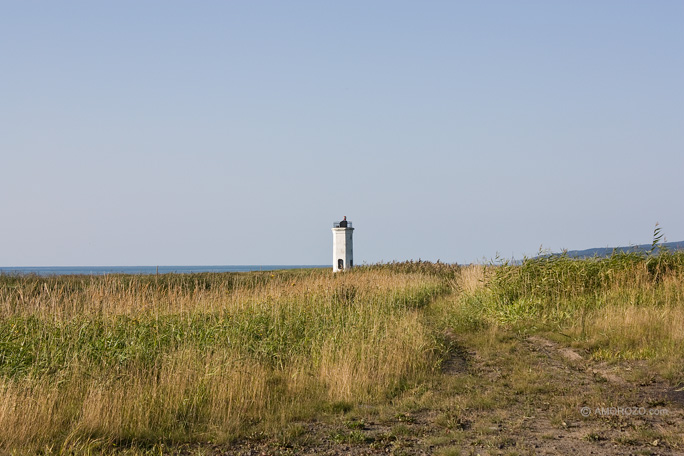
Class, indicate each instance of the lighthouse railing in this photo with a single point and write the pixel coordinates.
(337, 225)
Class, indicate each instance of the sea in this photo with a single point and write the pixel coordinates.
(144, 270)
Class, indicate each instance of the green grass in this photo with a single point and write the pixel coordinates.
(624, 307)
(137, 359)
(104, 363)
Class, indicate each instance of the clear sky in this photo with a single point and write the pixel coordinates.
(236, 132)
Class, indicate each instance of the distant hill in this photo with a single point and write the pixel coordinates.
(607, 251)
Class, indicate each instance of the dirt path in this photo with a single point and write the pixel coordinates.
(518, 396)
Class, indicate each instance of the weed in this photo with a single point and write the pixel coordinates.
(355, 424)
(449, 451)
(354, 437)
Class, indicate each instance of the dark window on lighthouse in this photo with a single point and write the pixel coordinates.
(340, 264)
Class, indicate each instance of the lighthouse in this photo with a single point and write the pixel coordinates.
(343, 247)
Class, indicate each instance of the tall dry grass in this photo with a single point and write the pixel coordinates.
(627, 306)
(88, 361)
(202, 357)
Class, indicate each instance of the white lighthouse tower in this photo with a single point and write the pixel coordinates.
(343, 247)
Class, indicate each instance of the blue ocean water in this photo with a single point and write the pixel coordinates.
(102, 270)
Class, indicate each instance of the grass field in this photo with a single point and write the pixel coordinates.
(404, 358)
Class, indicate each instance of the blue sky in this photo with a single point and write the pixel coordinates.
(139, 132)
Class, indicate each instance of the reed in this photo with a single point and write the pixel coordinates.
(91, 364)
(202, 357)
(627, 306)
